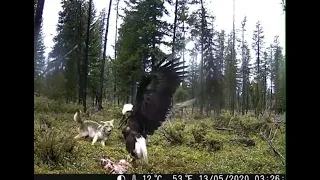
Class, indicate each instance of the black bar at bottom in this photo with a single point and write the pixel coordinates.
(161, 177)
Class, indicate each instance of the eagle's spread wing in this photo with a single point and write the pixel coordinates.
(155, 93)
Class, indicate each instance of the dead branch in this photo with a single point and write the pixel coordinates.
(274, 134)
(165, 134)
(270, 133)
(230, 121)
(225, 129)
(273, 148)
(50, 64)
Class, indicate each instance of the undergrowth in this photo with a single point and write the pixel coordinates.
(196, 145)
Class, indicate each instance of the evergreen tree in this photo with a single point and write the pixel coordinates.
(257, 45)
(40, 61)
(140, 36)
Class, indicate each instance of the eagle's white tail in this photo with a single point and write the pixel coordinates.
(127, 107)
(141, 149)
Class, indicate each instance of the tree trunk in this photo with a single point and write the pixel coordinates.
(85, 65)
(115, 51)
(201, 63)
(233, 93)
(174, 26)
(104, 58)
(243, 70)
(80, 90)
(258, 78)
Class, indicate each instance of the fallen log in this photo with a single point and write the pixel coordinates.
(273, 148)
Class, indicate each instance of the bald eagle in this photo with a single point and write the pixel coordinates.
(153, 103)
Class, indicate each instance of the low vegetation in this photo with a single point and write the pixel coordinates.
(203, 145)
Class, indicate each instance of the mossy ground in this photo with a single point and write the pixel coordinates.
(195, 146)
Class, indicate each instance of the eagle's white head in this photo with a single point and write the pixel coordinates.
(126, 108)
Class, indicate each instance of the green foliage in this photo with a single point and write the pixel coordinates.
(43, 104)
(214, 81)
(213, 152)
(53, 150)
(54, 86)
(71, 30)
(180, 95)
(40, 59)
(191, 145)
(176, 133)
(199, 132)
(40, 62)
(212, 142)
(140, 35)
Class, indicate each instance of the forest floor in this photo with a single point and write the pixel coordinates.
(192, 145)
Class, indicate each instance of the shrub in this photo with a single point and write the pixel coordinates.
(212, 142)
(175, 133)
(54, 149)
(48, 105)
(197, 116)
(224, 119)
(199, 131)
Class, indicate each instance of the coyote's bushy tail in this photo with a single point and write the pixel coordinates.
(77, 117)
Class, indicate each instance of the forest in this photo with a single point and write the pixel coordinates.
(235, 122)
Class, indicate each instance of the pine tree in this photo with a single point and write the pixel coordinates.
(279, 76)
(40, 61)
(244, 69)
(37, 25)
(257, 45)
(230, 73)
(140, 36)
(71, 29)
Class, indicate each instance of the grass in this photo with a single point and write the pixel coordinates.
(192, 146)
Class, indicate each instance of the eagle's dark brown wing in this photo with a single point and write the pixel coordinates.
(155, 93)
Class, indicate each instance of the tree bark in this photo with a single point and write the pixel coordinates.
(85, 65)
(104, 58)
(80, 90)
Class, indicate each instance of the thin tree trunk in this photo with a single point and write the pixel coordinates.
(271, 73)
(174, 34)
(243, 70)
(85, 65)
(104, 58)
(80, 90)
(115, 51)
(201, 63)
(174, 27)
(233, 61)
(247, 96)
(258, 78)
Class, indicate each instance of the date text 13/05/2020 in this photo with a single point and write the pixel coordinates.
(213, 177)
